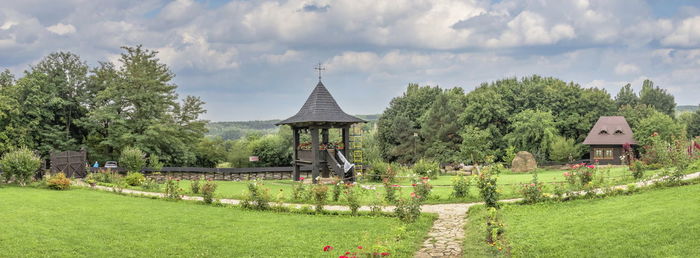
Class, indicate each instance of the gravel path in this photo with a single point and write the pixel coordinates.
(446, 235)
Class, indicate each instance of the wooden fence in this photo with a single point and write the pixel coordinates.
(225, 174)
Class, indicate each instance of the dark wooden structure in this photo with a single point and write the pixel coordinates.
(608, 139)
(320, 113)
(72, 163)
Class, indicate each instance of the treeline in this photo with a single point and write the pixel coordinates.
(239, 129)
(61, 104)
(545, 116)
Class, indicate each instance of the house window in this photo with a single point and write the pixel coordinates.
(603, 153)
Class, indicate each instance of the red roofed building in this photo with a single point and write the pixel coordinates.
(608, 138)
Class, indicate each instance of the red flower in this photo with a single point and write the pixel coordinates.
(343, 256)
(391, 186)
(413, 185)
(425, 177)
(327, 248)
(301, 178)
(385, 254)
(346, 253)
(413, 194)
(591, 166)
(359, 247)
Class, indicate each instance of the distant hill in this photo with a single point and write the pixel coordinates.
(239, 129)
(687, 108)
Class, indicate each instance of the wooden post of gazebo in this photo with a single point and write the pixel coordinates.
(319, 114)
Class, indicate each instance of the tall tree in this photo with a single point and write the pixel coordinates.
(626, 97)
(533, 131)
(658, 98)
(440, 126)
(693, 124)
(661, 124)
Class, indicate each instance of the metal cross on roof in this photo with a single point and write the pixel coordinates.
(320, 68)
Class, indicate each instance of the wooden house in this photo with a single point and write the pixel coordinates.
(608, 139)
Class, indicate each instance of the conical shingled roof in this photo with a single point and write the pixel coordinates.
(610, 130)
(320, 107)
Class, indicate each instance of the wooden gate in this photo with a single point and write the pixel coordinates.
(72, 163)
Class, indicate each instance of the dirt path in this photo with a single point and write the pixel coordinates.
(446, 235)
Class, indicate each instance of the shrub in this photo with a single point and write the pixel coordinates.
(299, 190)
(59, 181)
(107, 176)
(320, 194)
(377, 170)
(352, 198)
(132, 159)
(408, 209)
(426, 168)
(172, 189)
(494, 228)
(375, 205)
(337, 189)
(637, 168)
(487, 183)
(532, 192)
(154, 163)
(564, 149)
(195, 185)
(422, 188)
(256, 198)
(390, 190)
(150, 184)
(134, 179)
(21, 165)
(208, 189)
(460, 186)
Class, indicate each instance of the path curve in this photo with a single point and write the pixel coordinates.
(445, 236)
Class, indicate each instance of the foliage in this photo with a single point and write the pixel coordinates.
(59, 181)
(134, 179)
(495, 228)
(533, 131)
(257, 197)
(337, 189)
(564, 149)
(172, 189)
(390, 191)
(422, 188)
(408, 209)
(351, 197)
(658, 124)
(476, 144)
(320, 195)
(581, 175)
(150, 184)
(154, 163)
(487, 183)
(196, 185)
(133, 159)
(510, 154)
(637, 167)
(658, 98)
(427, 168)
(106, 176)
(20, 165)
(299, 190)
(460, 186)
(693, 124)
(208, 189)
(532, 192)
(273, 150)
(440, 127)
(626, 97)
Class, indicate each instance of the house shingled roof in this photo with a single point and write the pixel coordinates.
(320, 107)
(596, 137)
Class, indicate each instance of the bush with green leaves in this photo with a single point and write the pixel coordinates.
(377, 170)
(58, 181)
(257, 197)
(154, 163)
(427, 168)
(532, 192)
(172, 189)
(134, 178)
(337, 189)
(352, 198)
(564, 149)
(20, 165)
(320, 195)
(487, 183)
(208, 189)
(408, 209)
(195, 185)
(132, 159)
(460, 186)
(637, 167)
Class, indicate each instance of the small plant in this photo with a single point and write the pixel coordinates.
(132, 159)
(150, 184)
(408, 209)
(427, 168)
(172, 189)
(494, 228)
(390, 190)
(532, 192)
(320, 195)
(59, 181)
(337, 189)
(351, 198)
(460, 186)
(195, 185)
(154, 163)
(375, 205)
(20, 165)
(256, 198)
(422, 188)
(299, 189)
(487, 183)
(208, 189)
(134, 179)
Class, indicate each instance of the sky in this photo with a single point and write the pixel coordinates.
(254, 60)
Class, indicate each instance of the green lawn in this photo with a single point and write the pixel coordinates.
(79, 222)
(442, 191)
(657, 223)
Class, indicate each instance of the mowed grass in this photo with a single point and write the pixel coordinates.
(442, 191)
(657, 223)
(87, 223)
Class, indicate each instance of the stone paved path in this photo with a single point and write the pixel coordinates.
(446, 235)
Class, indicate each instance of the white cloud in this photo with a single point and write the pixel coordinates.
(286, 57)
(625, 69)
(686, 34)
(61, 29)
